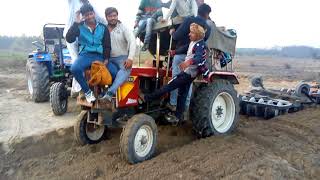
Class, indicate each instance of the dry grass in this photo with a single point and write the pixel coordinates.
(279, 68)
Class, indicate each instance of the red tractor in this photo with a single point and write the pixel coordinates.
(214, 105)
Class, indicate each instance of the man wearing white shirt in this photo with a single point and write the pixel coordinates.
(184, 8)
(123, 47)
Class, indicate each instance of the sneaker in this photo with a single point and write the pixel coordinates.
(90, 97)
(145, 47)
(108, 96)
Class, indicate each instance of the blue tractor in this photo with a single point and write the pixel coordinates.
(48, 69)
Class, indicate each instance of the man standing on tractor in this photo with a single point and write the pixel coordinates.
(194, 65)
(123, 50)
(94, 45)
(182, 44)
(149, 13)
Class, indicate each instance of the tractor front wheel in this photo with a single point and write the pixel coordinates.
(87, 132)
(59, 98)
(138, 139)
(37, 80)
(215, 109)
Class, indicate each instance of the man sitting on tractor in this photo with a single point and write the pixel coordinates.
(181, 8)
(194, 65)
(94, 45)
(148, 14)
(182, 46)
(122, 41)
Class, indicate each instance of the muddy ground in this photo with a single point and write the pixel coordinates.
(38, 145)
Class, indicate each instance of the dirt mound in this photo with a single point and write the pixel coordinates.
(287, 147)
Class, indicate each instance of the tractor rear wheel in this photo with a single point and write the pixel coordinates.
(87, 132)
(215, 109)
(138, 139)
(59, 98)
(37, 80)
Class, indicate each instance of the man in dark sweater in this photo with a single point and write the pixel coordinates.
(94, 45)
(194, 65)
(182, 42)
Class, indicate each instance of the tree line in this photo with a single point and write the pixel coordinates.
(19, 44)
(24, 44)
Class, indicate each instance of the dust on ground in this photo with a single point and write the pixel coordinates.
(286, 147)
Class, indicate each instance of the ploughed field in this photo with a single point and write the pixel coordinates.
(35, 144)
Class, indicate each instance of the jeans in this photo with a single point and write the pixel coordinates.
(178, 59)
(181, 82)
(147, 24)
(122, 75)
(83, 62)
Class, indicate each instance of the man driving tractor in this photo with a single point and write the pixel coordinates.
(94, 45)
(180, 53)
(194, 65)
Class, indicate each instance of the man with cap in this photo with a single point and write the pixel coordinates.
(182, 44)
(194, 65)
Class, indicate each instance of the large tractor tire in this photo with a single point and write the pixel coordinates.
(38, 81)
(139, 139)
(59, 98)
(86, 132)
(215, 109)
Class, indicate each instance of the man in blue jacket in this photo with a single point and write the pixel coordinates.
(94, 45)
(182, 43)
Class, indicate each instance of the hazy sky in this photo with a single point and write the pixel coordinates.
(259, 23)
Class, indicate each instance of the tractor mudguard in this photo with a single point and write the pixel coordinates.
(229, 76)
(128, 93)
(40, 56)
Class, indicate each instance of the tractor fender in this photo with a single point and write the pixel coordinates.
(229, 76)
(40, 56)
